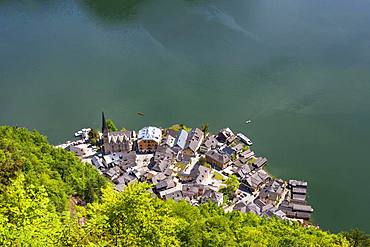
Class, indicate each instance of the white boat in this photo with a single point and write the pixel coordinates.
(248, 121)
(78, 133)
(244, 139)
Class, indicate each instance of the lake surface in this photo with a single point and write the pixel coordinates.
(300, 70)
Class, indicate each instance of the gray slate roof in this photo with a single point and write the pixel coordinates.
(181, 138)
(219, 156)
(194, 140)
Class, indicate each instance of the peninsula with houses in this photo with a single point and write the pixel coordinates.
(194, 165)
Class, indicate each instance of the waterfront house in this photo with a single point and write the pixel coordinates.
(181, 138)
(224, 135)
(295, 206)
(247, 154)
(193, 142)
(298, 191)
(259, 163)
(148, 139)
(168, 138)
(296, 183)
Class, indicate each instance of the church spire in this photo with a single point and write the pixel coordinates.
(104, 123)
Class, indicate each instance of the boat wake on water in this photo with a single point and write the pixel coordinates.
(215, 14)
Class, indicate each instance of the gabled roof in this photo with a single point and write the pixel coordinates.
(244, 170)
(158, 177)
(163, 158)
(181, 138)
(224, 134)
(150, 133)
(191, 190)
(218, 156)
(211, 142)
(240, 206)
(211, 195)
(120, 136)
(247, 154)
(260, 162)
(251, 207)
(165, 184)
(302, 208)
(299, 197)
(195, 137)
(175, 195)
(203, 173)
(298, 183)
(299, 190)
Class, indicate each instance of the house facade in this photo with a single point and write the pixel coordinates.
(148, 139)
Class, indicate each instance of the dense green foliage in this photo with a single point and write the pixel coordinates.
(38, 180)
(94, 137)
(27, 217)
(58, 171)
(232, 184)
(111, 125)
(357, 238)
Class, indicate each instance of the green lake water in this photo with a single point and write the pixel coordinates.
(300, 70)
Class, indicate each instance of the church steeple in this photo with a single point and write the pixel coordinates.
(104, 127)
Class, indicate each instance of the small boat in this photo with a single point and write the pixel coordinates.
(140, 113)
(78, 133)
(248, 121)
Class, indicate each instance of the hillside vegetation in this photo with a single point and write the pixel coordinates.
(37, 182)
